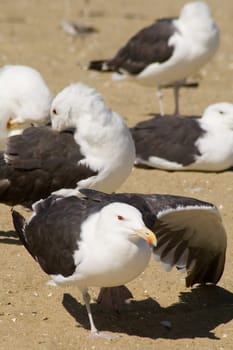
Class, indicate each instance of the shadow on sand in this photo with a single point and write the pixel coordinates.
(9, 237)
(198, 312)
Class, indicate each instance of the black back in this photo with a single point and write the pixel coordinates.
(169, 137)
(53, 234)
(40, 161)
(149, 45)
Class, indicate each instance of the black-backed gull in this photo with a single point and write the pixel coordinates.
(98, 154)
(106, 240)
(191, 143)
(168, 51)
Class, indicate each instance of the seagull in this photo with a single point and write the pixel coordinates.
(25, 100)
(106, 240)
(88, 145)
(167, 52)
(93, 246)
(192, 143)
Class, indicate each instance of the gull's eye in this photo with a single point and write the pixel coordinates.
(221, 112)
(54, 111)
(120, 217)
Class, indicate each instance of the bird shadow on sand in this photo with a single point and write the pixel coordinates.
(148, 167)
(9, 237)
(198, 312)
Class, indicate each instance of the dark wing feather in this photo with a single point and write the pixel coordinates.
(149, 45)
(190, 236)
(169, 137)
(19, 225)
(39, 162)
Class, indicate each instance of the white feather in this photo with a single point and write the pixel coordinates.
(104, 138)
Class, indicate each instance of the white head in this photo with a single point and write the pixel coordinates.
(124, 220)
(25, 99)
(219, 114)
(197, 25)
(102, 135)
(73, 103)
(197, 10)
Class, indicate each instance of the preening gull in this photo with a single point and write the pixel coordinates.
(25, 99)
(98, 154)
(191, 143)
(106, 240)
(168, 51)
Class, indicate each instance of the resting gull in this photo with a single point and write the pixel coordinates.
(98, 153)
(106, 240)
(167, 52)
(25, 99)
(191, 143)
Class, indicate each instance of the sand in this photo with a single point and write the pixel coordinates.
(34, 315)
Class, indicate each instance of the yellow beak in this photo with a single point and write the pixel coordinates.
(11, 124)
(148, 235)
(15, 124)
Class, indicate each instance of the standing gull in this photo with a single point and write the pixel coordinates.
(167, 52)
(106, 240)
(176, 143)
(25, 99)
(98, 153)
